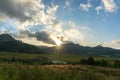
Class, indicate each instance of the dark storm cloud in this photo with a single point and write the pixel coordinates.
(13, 9)
(26, 32)
(40, 36)
(44, 36)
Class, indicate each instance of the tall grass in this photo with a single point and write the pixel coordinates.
(56, 72)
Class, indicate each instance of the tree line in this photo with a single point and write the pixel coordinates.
(102, 62)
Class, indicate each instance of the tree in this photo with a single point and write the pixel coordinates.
(117, 63)
(104, 62)
(90, 61)
(13, 58)
(83, 61)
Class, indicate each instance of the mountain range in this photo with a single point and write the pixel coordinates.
(10, 44)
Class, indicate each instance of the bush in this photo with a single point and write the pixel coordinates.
(83, 61)
(117, 63)
(104, 63)
(90, 61)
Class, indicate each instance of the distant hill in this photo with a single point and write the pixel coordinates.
(86, 50)
(76, 49)
(8, 43)
(6, 37)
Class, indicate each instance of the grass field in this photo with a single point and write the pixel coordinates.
(23, 66)
(63, 57)
(57, 72)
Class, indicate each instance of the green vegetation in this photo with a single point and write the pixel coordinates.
(37, 58)
(56, 72)
(23, 66)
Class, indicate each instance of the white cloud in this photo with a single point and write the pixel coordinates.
(2, 30)
(36, 10)
(85, 7)
(85, 28)
(98, 9)
(46, 15)
(40, 14)
(68, 4)
(75, 36)
(113, 44)
(54, 28)
(69, 32)
(72, 33)
(109, 5)
(52, 10)
(71, 24)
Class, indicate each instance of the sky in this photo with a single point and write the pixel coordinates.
(53, 22)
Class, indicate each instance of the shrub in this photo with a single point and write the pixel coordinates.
(90, 61)
(83, 61)
(117, 63)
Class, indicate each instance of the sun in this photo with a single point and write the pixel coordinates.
(58, 42)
